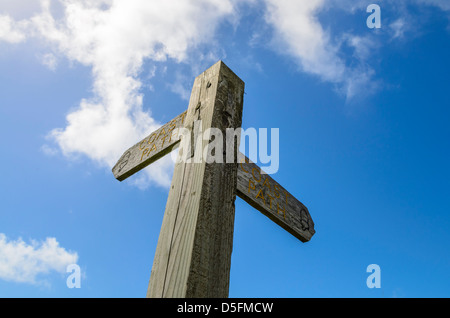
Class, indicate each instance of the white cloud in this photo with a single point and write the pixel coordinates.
(298, 30)
(49, 151)
(299, 33)
(363, 46)
(398, 27)
(26, 263)
(10, 31)
(114, 38)
(49, 60)
(19, 9)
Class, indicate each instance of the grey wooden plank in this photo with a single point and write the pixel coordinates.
(148, 150)
(266, 195)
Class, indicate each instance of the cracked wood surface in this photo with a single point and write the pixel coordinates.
(193, 255)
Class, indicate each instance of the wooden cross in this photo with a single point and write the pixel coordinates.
(193, 254)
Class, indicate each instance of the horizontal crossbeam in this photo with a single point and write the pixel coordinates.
(254, 186)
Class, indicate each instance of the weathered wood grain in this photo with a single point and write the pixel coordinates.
(193, 255)
(267, 196)
(148, 150)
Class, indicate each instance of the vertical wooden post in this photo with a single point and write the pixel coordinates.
(193, 255)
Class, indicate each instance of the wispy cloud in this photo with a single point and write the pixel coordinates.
(441, 4)
(28, 262)
(116, 38)
(300, 34)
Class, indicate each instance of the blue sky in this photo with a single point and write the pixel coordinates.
(363, 118)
